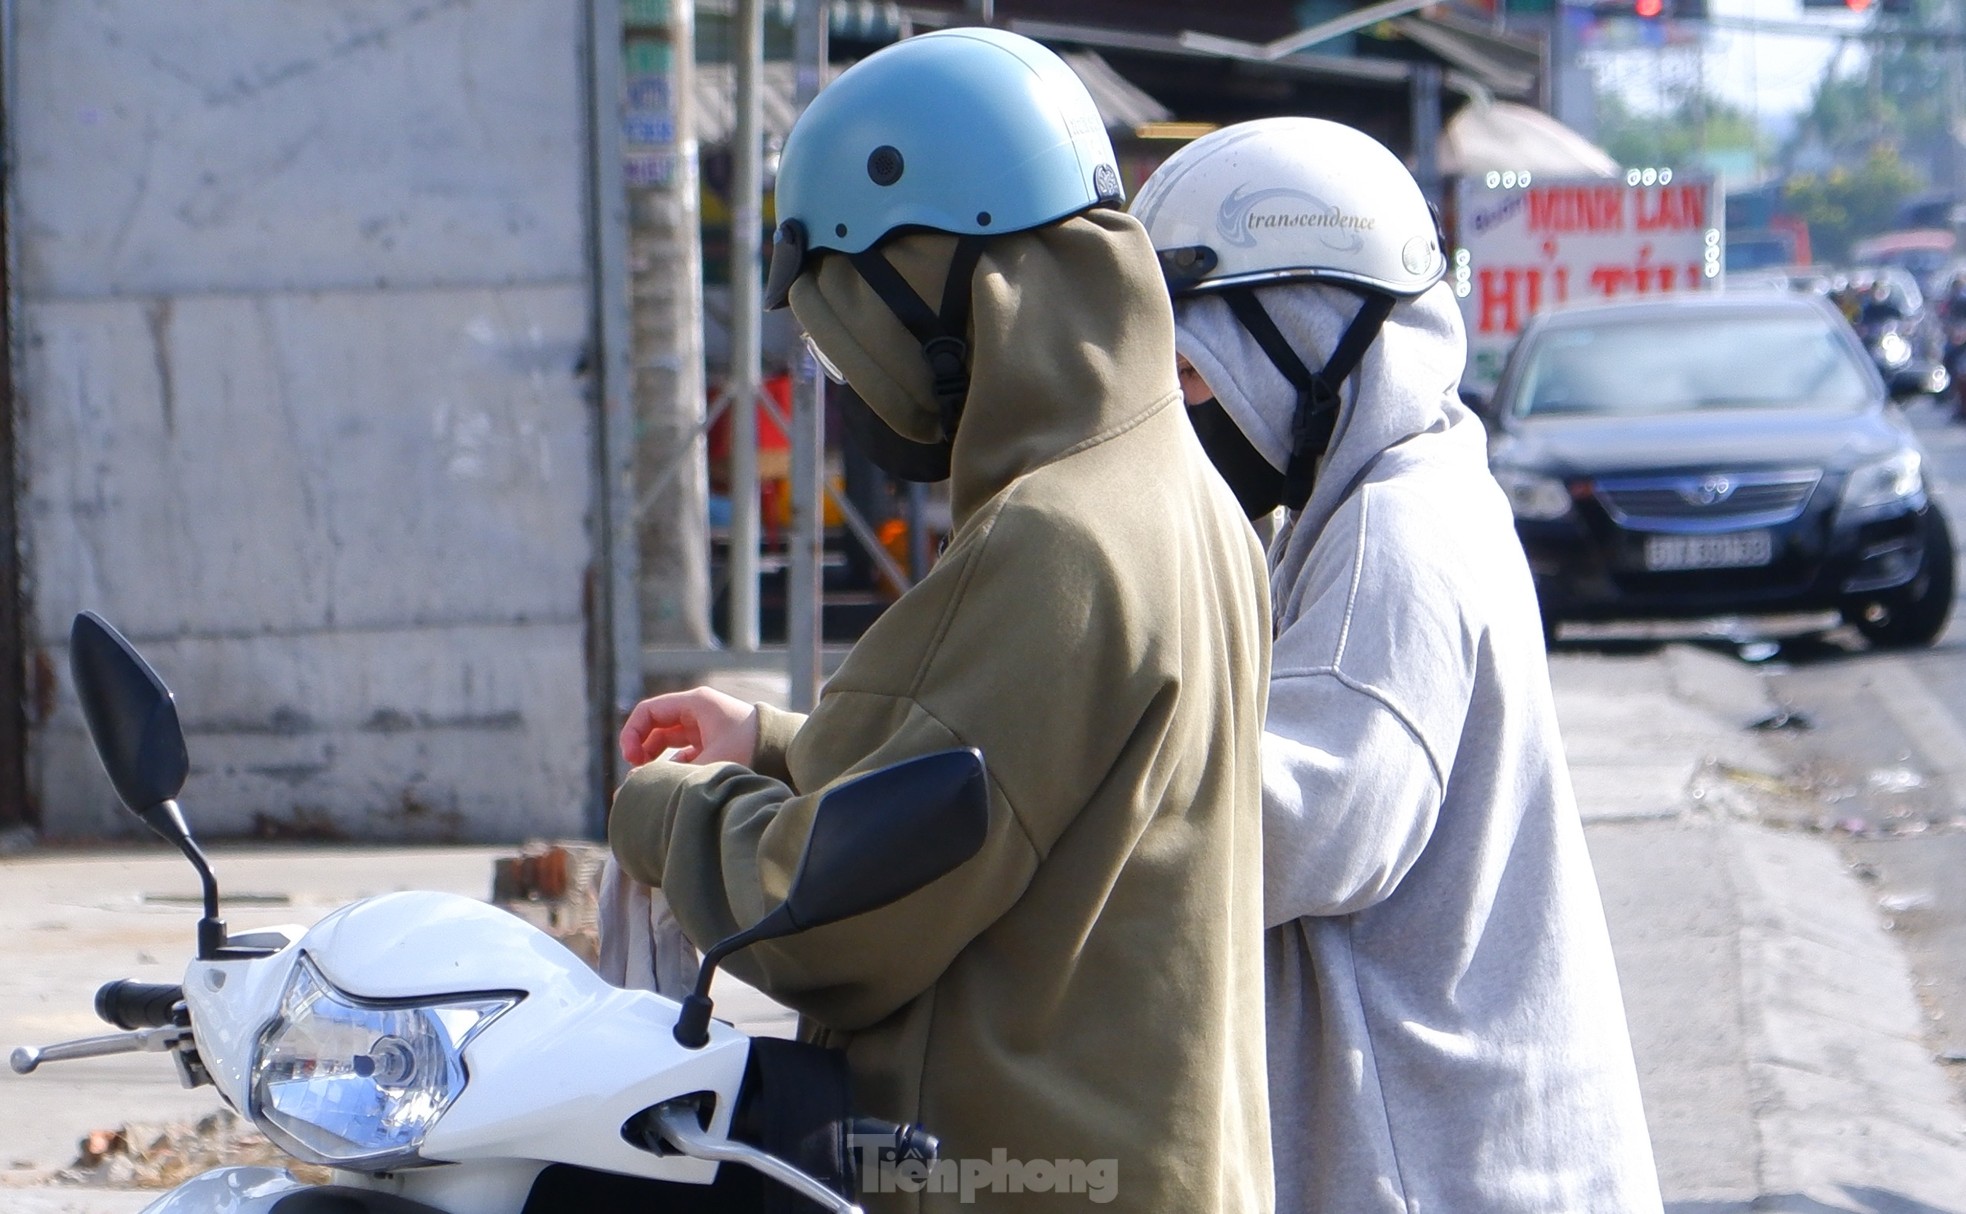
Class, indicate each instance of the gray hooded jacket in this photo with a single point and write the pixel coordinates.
(1446, 1034)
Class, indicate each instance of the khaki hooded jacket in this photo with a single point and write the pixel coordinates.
(1088, 988)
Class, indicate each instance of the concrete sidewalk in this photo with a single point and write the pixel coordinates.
(1780, 1049)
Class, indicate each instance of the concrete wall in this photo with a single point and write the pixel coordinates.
(304, 404)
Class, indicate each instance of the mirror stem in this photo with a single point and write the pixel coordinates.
(693, 1021)
(166, 819)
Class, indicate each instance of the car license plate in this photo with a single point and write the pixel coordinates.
(1735, 550)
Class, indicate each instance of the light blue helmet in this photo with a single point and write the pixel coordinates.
(971, 131)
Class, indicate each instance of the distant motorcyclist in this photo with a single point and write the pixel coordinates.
(1880, 305)
(1953, 304)
(1088, 989)
(1445, 1026)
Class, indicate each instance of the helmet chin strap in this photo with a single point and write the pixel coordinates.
(944, 334)
(1316, 416)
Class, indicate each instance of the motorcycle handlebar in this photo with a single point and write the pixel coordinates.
(138, 1005)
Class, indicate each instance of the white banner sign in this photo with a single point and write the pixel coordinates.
(1526, 247)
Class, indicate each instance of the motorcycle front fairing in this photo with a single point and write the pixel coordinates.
(229, 1191)
(577, 1054)
(270, 1191)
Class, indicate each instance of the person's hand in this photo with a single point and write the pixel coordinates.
(701, 725)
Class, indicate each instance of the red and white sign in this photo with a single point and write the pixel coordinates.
(1525, 247)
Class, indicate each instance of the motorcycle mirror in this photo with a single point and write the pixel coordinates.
(133, 719)
(874, 840)
(880, 837)
(131, 716)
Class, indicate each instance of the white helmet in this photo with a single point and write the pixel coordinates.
(1278, 199)
(1289, 200)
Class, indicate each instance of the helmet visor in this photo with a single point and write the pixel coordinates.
(788, 261)
(819, 356)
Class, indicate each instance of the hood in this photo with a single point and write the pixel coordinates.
(1072, 339)
(1409, 376)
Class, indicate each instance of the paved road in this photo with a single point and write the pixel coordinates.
(1888, 752)
(1765, 891)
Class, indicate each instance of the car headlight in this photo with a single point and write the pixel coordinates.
(1534, 496)
(1883, 482)
(343, 1081)
(1894, 350)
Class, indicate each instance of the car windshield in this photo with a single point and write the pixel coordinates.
(1682, 363)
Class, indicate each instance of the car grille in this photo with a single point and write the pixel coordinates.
(1711, 501)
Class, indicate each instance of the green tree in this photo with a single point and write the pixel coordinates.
(1898, 97)
(1844, 205)
(1691, 125)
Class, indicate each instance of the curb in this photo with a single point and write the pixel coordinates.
(1845, 1107)
(1850, 1105)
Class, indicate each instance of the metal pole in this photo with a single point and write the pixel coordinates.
(1562, 105)
(804, 605)
(615, 672)
(746, 304)
(1424, 91)
(1955, 61)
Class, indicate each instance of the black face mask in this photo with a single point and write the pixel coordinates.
(901, 458)
(1257, 485)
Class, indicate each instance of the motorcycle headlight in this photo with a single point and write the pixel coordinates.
(1533, 496)
(1883, 482)
(1894, 350)
(345, 1082)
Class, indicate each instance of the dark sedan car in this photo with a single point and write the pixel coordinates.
(1713, 454)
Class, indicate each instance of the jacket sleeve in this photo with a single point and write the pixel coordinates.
(723, 842)
(1350, 797)
(973, 657)
(776, 729)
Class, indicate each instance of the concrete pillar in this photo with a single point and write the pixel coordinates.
(665, 262)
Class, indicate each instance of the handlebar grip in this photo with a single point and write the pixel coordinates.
(137, 1005)
(893, 1141)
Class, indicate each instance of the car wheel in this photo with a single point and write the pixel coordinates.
(1915, 614)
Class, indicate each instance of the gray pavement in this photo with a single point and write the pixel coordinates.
(1784, 1060)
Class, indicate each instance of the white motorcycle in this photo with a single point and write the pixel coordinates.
(445, 1057)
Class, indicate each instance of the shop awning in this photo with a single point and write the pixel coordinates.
(1122, 105)
(1503, 65)
(1501, 136)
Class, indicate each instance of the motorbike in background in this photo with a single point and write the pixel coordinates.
(445, 1057)
(1955, 363)
(1893, 345)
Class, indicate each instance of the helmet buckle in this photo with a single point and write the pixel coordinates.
(948, 367)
